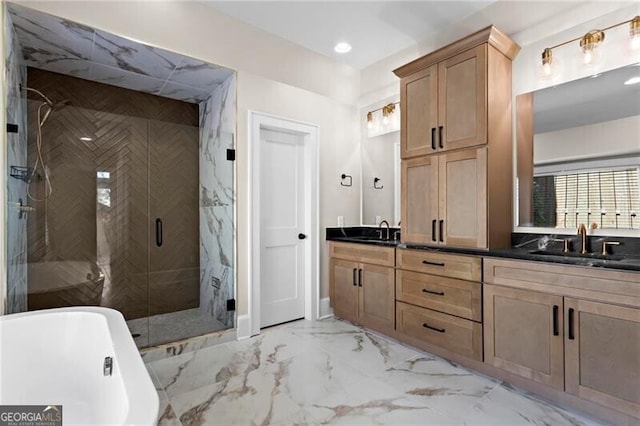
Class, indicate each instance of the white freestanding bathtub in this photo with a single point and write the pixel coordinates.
(57, 356)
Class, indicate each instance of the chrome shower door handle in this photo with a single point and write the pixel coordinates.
(159, 232)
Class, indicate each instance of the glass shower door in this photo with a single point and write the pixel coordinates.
(174, 262)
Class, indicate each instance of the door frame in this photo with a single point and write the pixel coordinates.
(310, 133)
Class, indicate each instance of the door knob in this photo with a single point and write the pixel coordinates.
(301, 236)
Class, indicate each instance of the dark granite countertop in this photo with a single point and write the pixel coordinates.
(531, 247)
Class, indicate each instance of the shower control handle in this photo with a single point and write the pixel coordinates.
(159, 232)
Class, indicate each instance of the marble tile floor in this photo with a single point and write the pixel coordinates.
(171, 327)
(333, 372)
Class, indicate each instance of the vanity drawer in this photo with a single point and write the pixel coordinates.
(582, 282)
(446, 331)
(365, 253)
(452, 296)
(436, 263)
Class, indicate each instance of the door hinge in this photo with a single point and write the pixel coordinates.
(231, 155)
(231, 305)
(12, 128)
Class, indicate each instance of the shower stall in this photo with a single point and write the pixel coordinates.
(120, 191)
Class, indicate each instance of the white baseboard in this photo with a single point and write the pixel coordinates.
(325, 309)
(243, 329)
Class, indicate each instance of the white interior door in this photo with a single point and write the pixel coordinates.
(282, 227)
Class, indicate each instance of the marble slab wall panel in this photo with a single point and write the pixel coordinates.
(217, 201)
(59, 45)
(16, 110)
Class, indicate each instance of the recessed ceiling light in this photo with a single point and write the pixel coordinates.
(86, 139)
(633, 80)
(342, 47)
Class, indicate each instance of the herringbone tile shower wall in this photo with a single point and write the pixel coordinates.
(148, 145)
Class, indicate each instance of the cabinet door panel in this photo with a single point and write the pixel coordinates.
(419, 199)
(377, 297)
(344, 297)
(462, 99)
(523, 334)
(603, 354)
(419, 103)
(463, 197)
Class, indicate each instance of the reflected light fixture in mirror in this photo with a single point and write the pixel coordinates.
(383, 120)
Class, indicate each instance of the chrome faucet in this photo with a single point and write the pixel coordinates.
(380, 228)
(582, 231)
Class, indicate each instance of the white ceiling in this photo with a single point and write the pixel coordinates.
(378, 29)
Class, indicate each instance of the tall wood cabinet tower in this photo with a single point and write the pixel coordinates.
(456, 143)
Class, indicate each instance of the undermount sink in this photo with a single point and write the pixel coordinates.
(599, 256)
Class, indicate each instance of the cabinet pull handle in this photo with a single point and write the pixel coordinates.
(426, 262)
(440, 141)
(439, 330)
(159, 232)
(359, 277)
(433, 138)
(441, 230)
(556, 332)
(571, 335)
(433, 230)
(354, 276)
(437, 293)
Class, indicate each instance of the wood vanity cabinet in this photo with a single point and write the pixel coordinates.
(438, 301)
(523, 333)
(444, 199)
(361, 281)
(573, 328)
(445, 105)
(456, 108)
(602, 354)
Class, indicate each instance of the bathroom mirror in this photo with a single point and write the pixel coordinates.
(578, 155)
(380, 160)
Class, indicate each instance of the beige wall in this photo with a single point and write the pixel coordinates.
(606, 139)
(274, 76)
(339, 153)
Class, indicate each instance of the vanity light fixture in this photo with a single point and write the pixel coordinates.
(387, 111)
(590, 42)
(634, 32)
(547, 58)
(383, 120)
(370, 120)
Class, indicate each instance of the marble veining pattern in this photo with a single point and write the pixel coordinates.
(62, 46)
(217, 200)
(333, 372)
(16, 112)
(187, 346)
